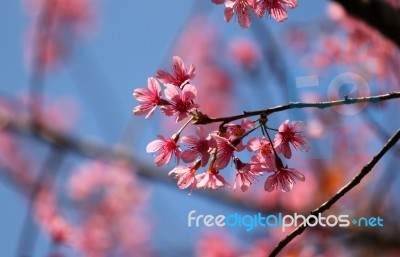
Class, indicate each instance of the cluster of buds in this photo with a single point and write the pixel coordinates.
(244, 8)
(215, 150)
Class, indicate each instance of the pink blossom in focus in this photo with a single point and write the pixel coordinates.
(225, 152)
(242, 8)
(185, 175)
(166, 147)
(150, 98)
(180, 103)
(180, 76)
(264, 152)
(283, 177)
(198, 146)
(211, 179)
(235, 132)
(275, 8)
(290, 133)
(245, 176)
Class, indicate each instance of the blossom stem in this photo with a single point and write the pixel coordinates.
(344, 190)
(265, 132)
(271, 129)
(176, 135)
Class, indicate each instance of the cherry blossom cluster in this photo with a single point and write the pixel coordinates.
(215, 150)
(110, 205)
(243, 9)
(56, 25)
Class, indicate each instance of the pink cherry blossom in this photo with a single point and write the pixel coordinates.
(264, 152)
(283, 177)
(180, 103)
(235, 132)
(244, 176)
(198, 146)
(225, 152)
(150, 97)
(211, 179)
(115, 218)
(186, 175)
(166, 147)
(275, 8)
(180, 76)
(54, 21)
(242, 8)
(49, 218)
(290, 133)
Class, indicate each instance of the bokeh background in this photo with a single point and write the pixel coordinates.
(78, 182)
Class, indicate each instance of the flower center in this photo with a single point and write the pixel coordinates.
(238, 131)
(202, 146)
(182, 106)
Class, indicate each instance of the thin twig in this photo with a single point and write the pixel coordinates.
(28, 232)
(325, 206)
(299, 105)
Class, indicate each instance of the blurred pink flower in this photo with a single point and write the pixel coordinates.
(215, 244)
(112, 215)
(290, 133)
(166, 147)
(57, 24)
(181, 103)
(180, 76)
(49, 112)
(245, 52)
(150, 97)
(49, 218)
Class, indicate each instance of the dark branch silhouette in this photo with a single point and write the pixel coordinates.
(354, 182)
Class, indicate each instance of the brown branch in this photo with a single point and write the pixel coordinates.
(325, 206)
(377, 14)
(298, 105)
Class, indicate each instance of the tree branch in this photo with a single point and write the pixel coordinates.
(377, 14)
(325, 206)
(299, 105)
